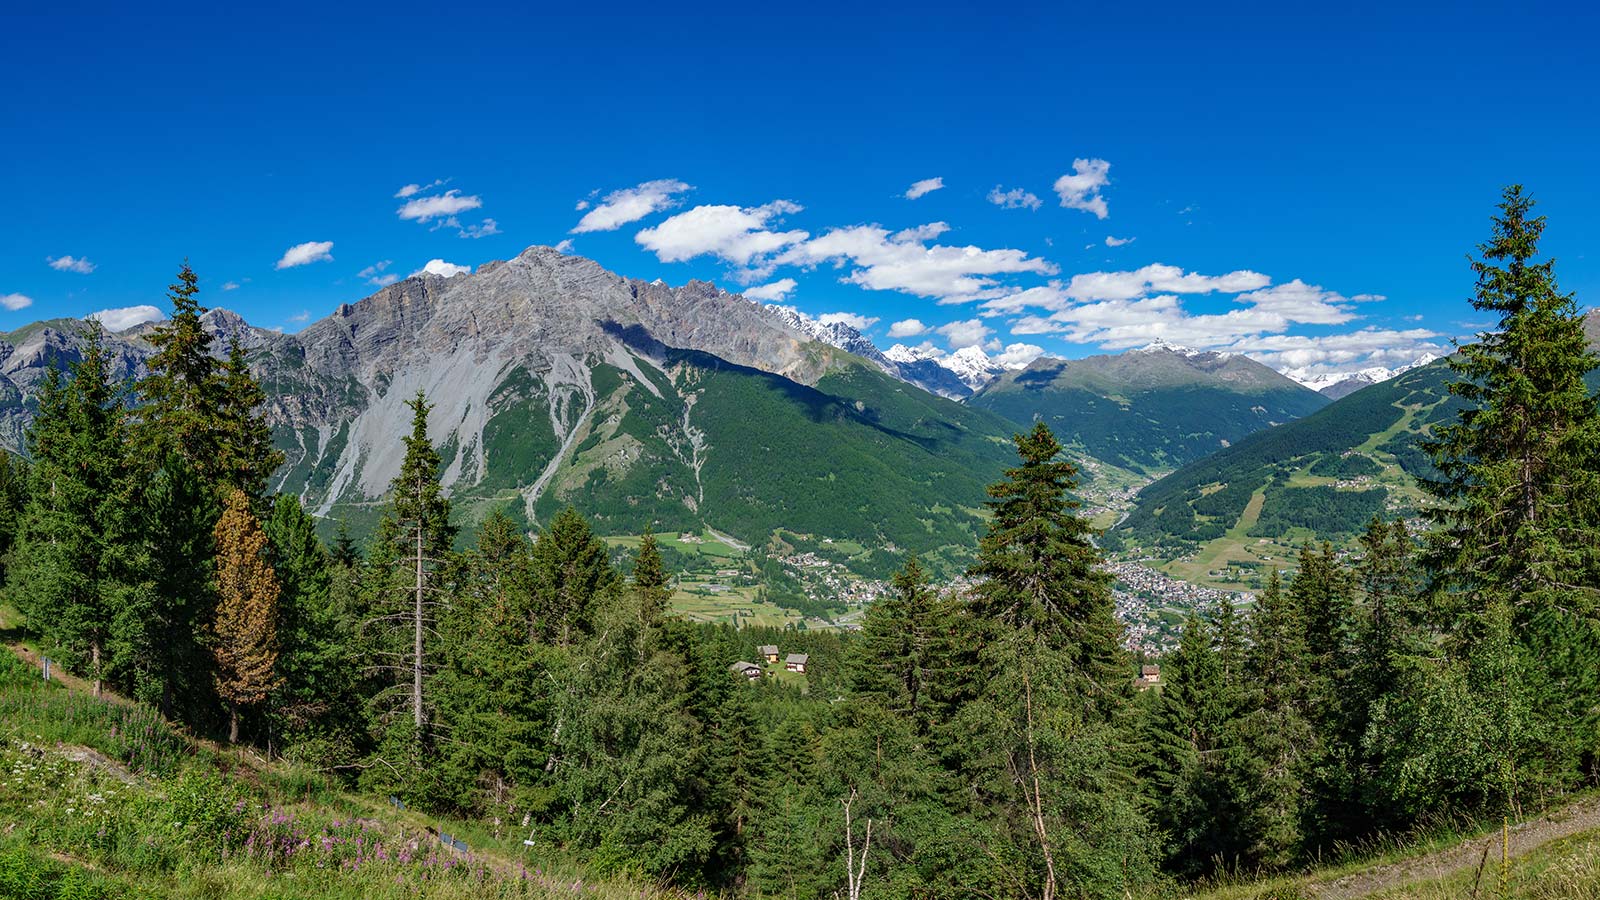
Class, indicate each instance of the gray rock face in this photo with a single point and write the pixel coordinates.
(336, 391)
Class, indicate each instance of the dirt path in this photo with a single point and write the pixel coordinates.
(1525, 837)
(68, 680)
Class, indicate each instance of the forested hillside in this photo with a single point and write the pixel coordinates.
(1150, 409)
(986, 738)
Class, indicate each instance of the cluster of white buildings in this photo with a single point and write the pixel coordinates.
(825, 579)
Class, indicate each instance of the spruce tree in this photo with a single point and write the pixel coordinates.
(67, 575)
(1193, 775)
(896, 655)
(572, 568)
(650, 579)
(181, 398)
(419, 536)
(312, 703)
(1512, 552)
(246, 648)
(244, 442)
(1278, 737)
(13, 498)
(1039, 733)
(1039, 572)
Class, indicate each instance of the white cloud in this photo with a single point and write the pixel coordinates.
(1120, 322)
(1081, 188)
(1118, 242)
(907, 328)
(303, 315)
(920, 233)
(737, 234)
(411, 190)
(438, 206)
(1016, 198)
(442, 268)
(15, 302)
(564, 246)
(1302, 356)
(1018, 356)
(903, 262)
(376, 275)
(581, 206)
(925, 186)
(630, 205)
(126, 317)
(305, 254)
(777, 290)
(858, 322)
(1297, 301)
(230, 285)
(481, 230)
(1159, 278)
(70, 264)
(971, 333)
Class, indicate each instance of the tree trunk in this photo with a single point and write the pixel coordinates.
(94, 657)
(233, 722)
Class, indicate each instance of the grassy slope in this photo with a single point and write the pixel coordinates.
(1199, 508)
(105, 800)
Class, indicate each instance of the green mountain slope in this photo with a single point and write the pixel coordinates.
(1155, 408)
(1320, 477)
(686, 441)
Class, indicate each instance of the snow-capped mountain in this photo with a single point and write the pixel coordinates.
(1161, 345)
(924, 372)
(1334, 385)
(972, 366)
(837, 334)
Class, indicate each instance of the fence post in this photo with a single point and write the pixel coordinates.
(44, 661)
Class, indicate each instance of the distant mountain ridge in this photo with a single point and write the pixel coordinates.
(556, 381)
(1157, 407)
(1322, 476)
(1342, 384)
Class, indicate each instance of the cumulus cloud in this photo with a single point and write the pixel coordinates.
(411, 190)
(580, 206)
(123, 318)
(630, 205)
(442, 268)
(438, 206)
(1122, 310)
(481, 230)
(1018, 356)
(305, 254)
(1080, 189)
(905, 262)
(70, 264)
(1118, 242)
(777, 290)
(1158, 278)
(907, 328)
(15, 302)
(230, 285)
(1016, 198)
(736, 234)
(1305, 356)
(925, 186)
(970, 333)
(377, 275)
(854, 320)
(564, 245)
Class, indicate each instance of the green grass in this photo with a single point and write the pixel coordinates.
(159, 816)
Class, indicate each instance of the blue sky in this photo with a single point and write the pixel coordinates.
(1271, 171)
